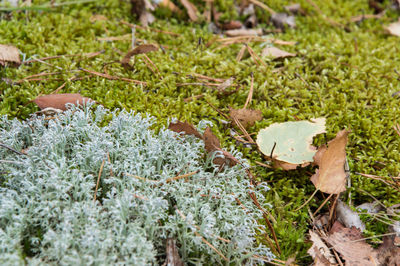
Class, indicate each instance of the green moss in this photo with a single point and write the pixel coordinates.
(349, 78)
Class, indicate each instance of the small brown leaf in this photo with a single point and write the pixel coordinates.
(276, 53)
(9, 54)
(172, 252)
(185, 127)
(331, 177)
(58, 101)
(141, 49)
(191, 9)
(246, 117)
(347, 242)
(212, 144)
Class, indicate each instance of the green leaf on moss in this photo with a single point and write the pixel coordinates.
(291, 141)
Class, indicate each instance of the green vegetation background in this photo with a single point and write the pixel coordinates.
(347, 76)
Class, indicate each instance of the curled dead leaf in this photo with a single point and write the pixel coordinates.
(9, 54)
(58, 101)
(347, 242)
(184, 127)
(319, 251)
(246, 117)
(212, 144)
(330, 177)
(141, 49)
(231, 25)
(191, 9)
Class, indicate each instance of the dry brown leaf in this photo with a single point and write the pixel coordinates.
(9, 54)
(243, 32)
(246, 117)
(354, 251)
(212, 144)
(141, 49)
(172, 253)
(287, 166)
(191, 9)
(58, 101)
(394, 28)
(331, 177)
(319, 251)
(185, 127)
(276, 53)
(388, 252)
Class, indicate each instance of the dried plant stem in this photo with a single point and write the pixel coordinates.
(168, 180)
(114, 77)
(250, 95)
(255, 57)
(323, 204)
(11, 149)
(98, 179)
(307, 201)
(202, 238)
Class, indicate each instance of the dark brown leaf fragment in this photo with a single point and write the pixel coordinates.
(184, 127)
(246, 117)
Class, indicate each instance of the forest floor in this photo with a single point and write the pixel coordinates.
(345, 69)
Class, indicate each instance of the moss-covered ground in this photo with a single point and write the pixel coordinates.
(346, 75)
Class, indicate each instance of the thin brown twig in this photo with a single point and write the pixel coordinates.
(11, 149)
(114, 77)
(250, 95)
(262, 5)
(255, 57)
(307, 201)
(199, 76)
(98, 179)
(168, 180)
(88, 55)
(151, 62)
(323, 204)
(202, 238)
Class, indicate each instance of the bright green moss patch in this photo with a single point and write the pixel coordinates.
(346, 76)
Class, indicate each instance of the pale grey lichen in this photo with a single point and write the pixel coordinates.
(47, 211)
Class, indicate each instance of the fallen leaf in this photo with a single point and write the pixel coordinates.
(354, 251)
(226, 84)
(394, 28)
(275, 53)
(212, 144)
(231, 25)
(246, 117)
(243, 32)
(191, 9)
(58, 101)
(283, 20)
(388, 252)
(141, 49)
(172, 254)
(319, 251)
(290, 142)
(9, 54)
(184, 127)
(330, 177)
(348, 217)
